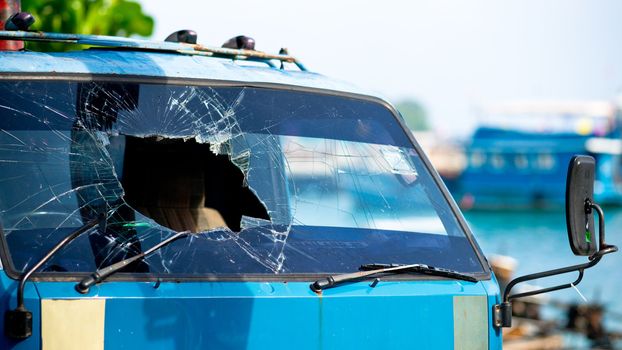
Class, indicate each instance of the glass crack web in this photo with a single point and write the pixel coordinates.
(57, 133)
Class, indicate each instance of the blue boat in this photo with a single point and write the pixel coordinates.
(517, 157)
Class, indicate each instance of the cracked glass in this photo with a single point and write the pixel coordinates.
(268, 181)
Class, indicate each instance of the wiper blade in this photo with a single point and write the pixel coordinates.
(98, 276)
(424, 269)
(369, 270)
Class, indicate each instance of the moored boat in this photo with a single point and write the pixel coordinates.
(516, 157)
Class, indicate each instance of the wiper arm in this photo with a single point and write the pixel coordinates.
(18, 322)
(369, 270)
(98, 276)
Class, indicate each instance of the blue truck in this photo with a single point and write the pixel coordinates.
(159, 195)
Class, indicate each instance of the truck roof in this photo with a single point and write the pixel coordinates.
(142, 58)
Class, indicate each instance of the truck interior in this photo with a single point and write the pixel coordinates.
(184, 186)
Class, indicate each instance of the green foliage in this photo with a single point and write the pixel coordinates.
(100, 17)
(414, 114)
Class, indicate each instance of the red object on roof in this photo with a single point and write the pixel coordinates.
(8, 8)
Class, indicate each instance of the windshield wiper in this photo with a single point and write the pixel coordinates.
(87, 282)
(18, 322)
(370, 270)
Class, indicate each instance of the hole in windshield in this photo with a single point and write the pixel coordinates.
(183, 185)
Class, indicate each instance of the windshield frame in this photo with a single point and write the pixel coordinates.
(5, 256)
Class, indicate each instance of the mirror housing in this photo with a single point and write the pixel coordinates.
(579, 197)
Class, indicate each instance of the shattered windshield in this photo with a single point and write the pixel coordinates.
(269, 181)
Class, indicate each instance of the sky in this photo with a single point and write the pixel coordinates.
(451, 56)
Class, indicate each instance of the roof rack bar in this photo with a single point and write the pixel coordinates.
(268, 62)
(113, 41)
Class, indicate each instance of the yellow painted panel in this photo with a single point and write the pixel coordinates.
(72, 324)
(470, 322)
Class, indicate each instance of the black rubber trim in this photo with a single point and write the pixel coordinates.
(298, 277)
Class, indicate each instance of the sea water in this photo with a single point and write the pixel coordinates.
(538, 240)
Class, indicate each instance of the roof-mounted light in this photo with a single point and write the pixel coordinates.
(187, 36)
(19, 21)
(240, 42)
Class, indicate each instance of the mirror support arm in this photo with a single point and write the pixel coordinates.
(579, 268)
(603, 248)
(502, 313)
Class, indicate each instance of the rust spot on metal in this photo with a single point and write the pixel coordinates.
(241, 53)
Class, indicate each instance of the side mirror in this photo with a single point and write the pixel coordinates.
(583, 239)
(579, 197)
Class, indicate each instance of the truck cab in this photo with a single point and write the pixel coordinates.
(172, 195)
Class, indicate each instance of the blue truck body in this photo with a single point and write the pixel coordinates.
(259, 309)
